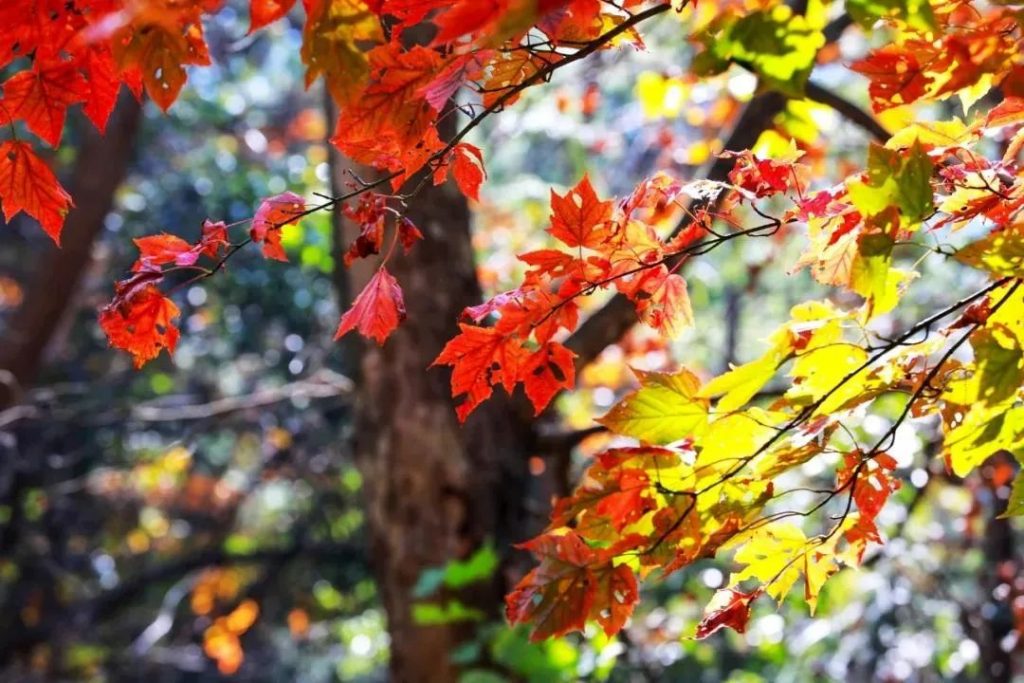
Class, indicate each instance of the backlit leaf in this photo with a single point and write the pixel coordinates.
(27, 184)
(664, 409)
(376, 311)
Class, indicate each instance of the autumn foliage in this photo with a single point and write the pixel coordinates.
(697, 466)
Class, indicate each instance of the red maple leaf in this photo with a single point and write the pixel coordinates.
(572, 584)
(874, 483)
(459, 70)
(481, 357)
(40, 97)
(408, 233)
(157, 250)
(139, 320)
(27, 184)
(547, 371)
(728, 608)
(100, 70)
(390, 124)
(764, 177)
(214, 239)
(668, 308)
(616, 596)
(377, 310)
(558, 594)
(273, 214)
(897, 77)
(468, 168)
(370, 214)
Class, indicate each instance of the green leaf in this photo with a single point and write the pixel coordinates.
(477, 567)
(775, 43)
(917, 14)
(1000, 368)
(551, 661)
(429, 581)
(432, 613)
(458, 573)
(481, 676)
(1015, 506)
(664, 409)
(900, 178)
(872, 276)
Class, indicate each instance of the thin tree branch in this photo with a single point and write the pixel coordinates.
(323, 384)
(499, 103)
(607, 325)
(563, 442)
(610, 323)
(848, 110)
(89, 612)
(116, 598)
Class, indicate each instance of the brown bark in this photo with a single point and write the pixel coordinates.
(995, 618)
(435, 490)
(98, 171)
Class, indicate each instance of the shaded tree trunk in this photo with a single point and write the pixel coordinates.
(98, 171)
(435, 490)
(995, 618)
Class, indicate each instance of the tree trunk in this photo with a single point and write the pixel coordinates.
(98, 171)
(995, 619)
(435, 490)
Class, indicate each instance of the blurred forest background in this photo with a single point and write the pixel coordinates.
(273, 506)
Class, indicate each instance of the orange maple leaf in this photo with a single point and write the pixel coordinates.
(547, 371)
(579, 218)
(27, 184)
(897, 77)
(390, 125)
(139, 321)
(263, 12)
(480, 358)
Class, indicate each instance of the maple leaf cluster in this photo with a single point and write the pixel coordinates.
(607, 245)
(81, 52)
(391, 88)
(702, 474)
(976, 46)
(704, 478)
(140, 319)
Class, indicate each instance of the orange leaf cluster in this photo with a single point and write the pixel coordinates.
(82, 51)
(140, 319)
(612, 245)
(572, 584)
(972, 43)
